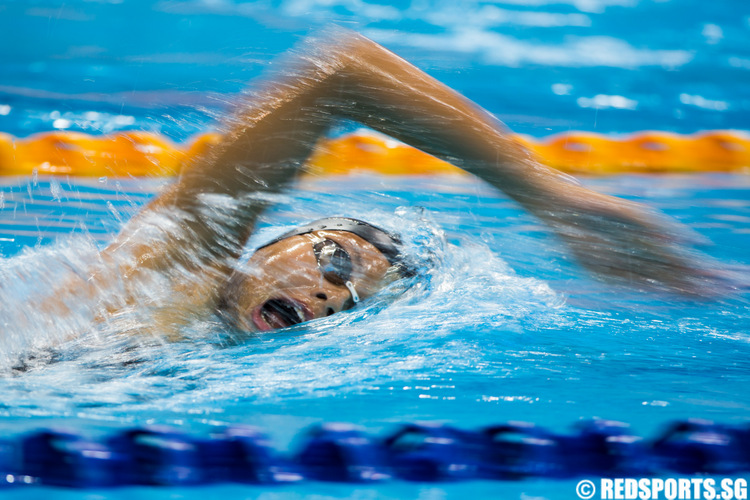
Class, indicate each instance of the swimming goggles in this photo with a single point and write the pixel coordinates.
(334, 263)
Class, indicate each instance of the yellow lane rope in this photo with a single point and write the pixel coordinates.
(148, 154)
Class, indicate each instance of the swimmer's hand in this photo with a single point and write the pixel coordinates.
(625, 242)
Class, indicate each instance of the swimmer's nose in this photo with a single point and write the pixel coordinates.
(332, 300)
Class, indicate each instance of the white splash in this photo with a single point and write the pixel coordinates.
(701, 102)
(603, 101)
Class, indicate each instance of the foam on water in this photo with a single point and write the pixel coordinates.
(481, 327)
(106, 374)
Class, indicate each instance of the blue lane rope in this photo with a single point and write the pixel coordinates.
(345, 453)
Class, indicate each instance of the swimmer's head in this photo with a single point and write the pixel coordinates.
(310, 272)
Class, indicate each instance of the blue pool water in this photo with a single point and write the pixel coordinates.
(505, 327)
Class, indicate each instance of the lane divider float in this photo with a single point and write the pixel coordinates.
(337, 452)
(147, 154)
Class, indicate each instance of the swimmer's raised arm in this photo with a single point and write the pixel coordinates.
(613, 238)
(348, 76)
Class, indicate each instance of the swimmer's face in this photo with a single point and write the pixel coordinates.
(291, 281)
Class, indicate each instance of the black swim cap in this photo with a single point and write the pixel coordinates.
(388, 244)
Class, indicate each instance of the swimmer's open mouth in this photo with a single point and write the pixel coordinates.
(280, 313)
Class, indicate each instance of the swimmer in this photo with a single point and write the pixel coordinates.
(330, 265)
